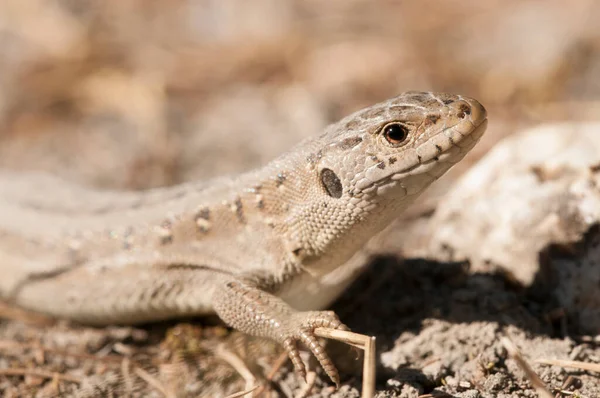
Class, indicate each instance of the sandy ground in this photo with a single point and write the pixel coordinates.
(139, 94)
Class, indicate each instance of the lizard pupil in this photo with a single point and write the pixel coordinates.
(395, 133)
(331, 183)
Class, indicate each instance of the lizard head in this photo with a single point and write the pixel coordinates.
(395, 149)
(372, 164)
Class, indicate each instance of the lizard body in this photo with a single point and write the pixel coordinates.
(255, 248)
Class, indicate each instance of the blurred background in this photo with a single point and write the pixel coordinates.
(134, 94)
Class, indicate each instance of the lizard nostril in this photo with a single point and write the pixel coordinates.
(464, 111)
(331, 182)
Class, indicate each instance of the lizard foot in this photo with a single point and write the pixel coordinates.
(259, 313)
(302, 329)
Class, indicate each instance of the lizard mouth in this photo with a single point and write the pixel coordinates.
(455, 151)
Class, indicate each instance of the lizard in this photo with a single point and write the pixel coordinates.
(266, 250)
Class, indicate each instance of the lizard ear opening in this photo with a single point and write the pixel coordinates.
(331, 183)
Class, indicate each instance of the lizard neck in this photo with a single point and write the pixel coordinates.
(316, 231)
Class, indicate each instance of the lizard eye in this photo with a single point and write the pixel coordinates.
(395, 133)
(331, 183)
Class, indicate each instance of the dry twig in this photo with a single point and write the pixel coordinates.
(39, 373)
(364, 342)
(148, 378)
(535, 380)
(594, 367)
(240, 367)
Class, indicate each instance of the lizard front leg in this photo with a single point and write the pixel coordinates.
(245, 307)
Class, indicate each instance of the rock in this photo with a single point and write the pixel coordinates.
(527, 210)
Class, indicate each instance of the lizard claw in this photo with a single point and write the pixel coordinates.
(303, 330)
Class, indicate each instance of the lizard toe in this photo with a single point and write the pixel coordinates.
(312, 343)
(291, 348)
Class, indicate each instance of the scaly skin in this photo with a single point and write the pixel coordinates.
(263, 249)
